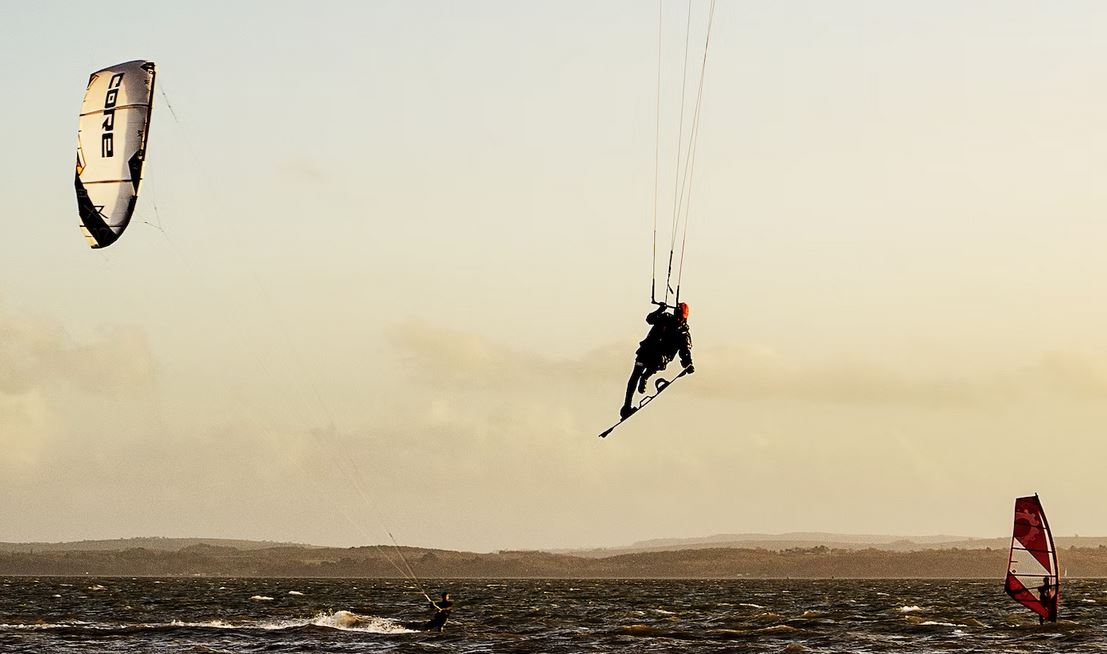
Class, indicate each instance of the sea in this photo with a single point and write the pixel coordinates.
(46, 615)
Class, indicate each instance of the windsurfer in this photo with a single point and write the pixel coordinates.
(668, 336)
(1048, 597)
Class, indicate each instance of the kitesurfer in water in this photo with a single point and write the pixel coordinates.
(1048, 598)
(442, 610)
(668, 336)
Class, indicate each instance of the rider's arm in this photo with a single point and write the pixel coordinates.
(685, 349)
(653, 316)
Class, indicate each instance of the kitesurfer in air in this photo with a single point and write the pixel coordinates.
(668, 337)
(442, 610)
(1048, 598)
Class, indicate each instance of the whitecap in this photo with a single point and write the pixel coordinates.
(909, 609)
(212, 624)
(261, 598)
(294, 592)
(348, 621)
(96, 587)
(752, 606)
(933, 623)
(664, 612)
(777, 629)
(38, 626)
(341, 620)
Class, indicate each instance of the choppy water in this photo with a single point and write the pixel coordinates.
(84, 614)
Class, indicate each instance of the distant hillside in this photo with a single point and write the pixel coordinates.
(380, 562)
(799, 536)
(771, 542)
(804, 540)
(149, 543)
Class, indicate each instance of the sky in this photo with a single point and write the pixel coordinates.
(391, 261)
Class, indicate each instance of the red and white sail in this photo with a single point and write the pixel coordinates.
(1033, 578)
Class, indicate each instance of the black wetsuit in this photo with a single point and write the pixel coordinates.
(668, 337)
(442, 614)
(1048, 598)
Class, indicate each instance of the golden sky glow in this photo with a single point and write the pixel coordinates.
(405, 246)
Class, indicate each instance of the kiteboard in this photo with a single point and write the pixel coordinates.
(660, 385)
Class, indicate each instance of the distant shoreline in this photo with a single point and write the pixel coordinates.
(426, 579)
(380, 562)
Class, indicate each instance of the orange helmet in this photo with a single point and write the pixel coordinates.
(682, 310)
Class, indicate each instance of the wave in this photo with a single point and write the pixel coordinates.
(777, 629)
(651, 631)
(935, 623)
(36, 626)
(340, 620)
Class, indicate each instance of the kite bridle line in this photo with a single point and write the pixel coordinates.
(685, 159)
(656, 160)
(680, 148)
(690, 167)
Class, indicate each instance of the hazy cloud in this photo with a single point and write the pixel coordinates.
(300, 170)
(748, 372)
(444, 356)
(24, 428)
(1068, 373)
(755, 372)
(47, 379)
(36, 352)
